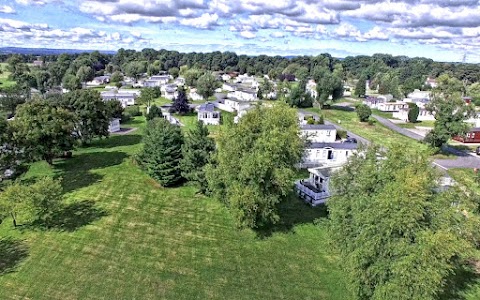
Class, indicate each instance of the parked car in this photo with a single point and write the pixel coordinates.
(478, 150)
(350, 140)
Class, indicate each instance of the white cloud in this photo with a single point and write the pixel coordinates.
(7, 9)
(247, 34)
(376, 33)
(35, 2)
(205, 21)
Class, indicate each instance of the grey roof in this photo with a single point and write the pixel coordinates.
(159, 77)
(346, 146)
(206, 107)
(318, 126)
(117, 95)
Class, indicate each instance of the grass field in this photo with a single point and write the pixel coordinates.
(121, 236)
(4, 81)
(376, 133)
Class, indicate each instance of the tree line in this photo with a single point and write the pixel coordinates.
(397, 75)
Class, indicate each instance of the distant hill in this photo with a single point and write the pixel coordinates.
(46, 51)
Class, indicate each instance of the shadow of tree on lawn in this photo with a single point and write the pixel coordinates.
(458, 282)
(76, 171)
(117, 141)
(12, 252)
(292, 212)
(72, 217)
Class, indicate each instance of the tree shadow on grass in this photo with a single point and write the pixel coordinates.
(76, 171)
(117, 141)
(12, 252)
(292, 212)
(460, 281)
(71, 217)
(133, 122)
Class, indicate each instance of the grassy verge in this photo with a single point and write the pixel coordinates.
(121, 236)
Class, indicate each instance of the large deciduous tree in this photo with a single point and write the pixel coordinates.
(298, 97)
(398, 234)
(91, 111)
(450, 113)
(254, 164)
(206, 85)
(43, 130)
(135, 68)
(196, 151)
(85, 73)
(71, 82)
(162, 152)
(191, 76)
(12, 97)
(147, 96)
(114, 109)
(10, 155)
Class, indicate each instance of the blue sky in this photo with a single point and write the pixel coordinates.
(444, 30)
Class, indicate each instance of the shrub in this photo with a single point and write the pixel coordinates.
(371, 122)
(321, 120)
(413, 112)
(310, 121)
(133, 111)
(364, 112)
(154, 112)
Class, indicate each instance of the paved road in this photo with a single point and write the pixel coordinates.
(389, 124)
(463, 160)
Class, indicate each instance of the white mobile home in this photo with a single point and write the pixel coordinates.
(208, 115)
(319, 133)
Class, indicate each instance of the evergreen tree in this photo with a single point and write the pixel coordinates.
(360, 87)
(154, 112)
(180, 103)
(196, 151)
(413, 112)
(162, 152)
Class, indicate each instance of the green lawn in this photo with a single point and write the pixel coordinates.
(376, 133)
(121, 236)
